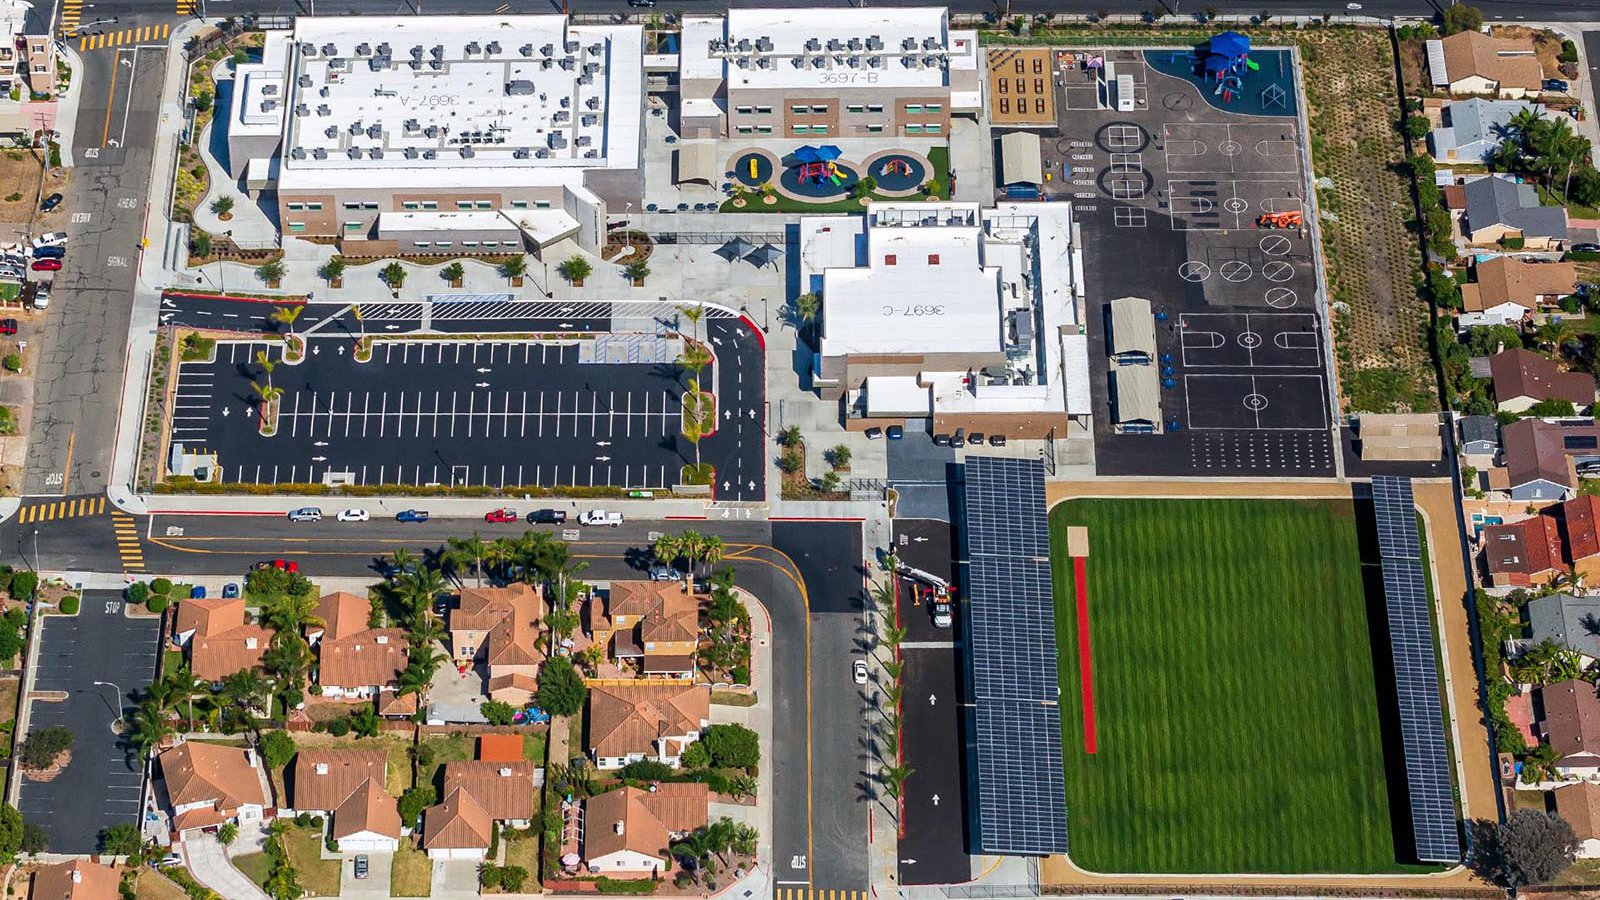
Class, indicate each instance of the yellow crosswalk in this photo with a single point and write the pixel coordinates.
(144, 34)
(71, 15)
(128, 540)
(51, 510)
(186, 7)
(802, 893)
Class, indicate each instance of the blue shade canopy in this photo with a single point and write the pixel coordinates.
(1231, 44)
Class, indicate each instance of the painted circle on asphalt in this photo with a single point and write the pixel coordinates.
(1194, 270)
(1255, 402)
(1249, 340)
(1177, 100)
(1235, 271)
(1274, 245)
(1122, 137)
(1277, 271)
(1230, 148)
(1282, 298)
(1235, 205)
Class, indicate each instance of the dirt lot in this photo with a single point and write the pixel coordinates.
(20, 171)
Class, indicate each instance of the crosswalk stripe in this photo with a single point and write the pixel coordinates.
(99, 505)
(164, 30)
(83, 43)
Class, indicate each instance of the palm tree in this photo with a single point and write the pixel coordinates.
(266, 364)
(291, 612)
(403, 560)
(286, 315)
(514, 267)
(568, 571)
(361, 322)
(694, 546)
(288, 658)
(425, 631)
(894, 779)
(807, 306)
(712, 550)
(1554, 333)
(465, 551)
(417, 590)
(244, 687)
(150, 728)
(499, 552)
(667, 548)
(414, 679)
(185, 688)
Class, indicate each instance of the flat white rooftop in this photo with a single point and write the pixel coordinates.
(510, 94)
(810, 48)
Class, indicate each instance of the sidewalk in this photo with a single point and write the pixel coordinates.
(757, 718)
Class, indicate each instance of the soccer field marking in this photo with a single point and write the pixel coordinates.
(1254, 395)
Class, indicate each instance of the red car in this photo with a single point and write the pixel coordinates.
(501, 516)
(8, 326)
(288, 565)
(46, 265)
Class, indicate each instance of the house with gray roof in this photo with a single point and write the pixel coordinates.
(1565, 619)
(1471, 129)
(1480, 435)
(1499, 208)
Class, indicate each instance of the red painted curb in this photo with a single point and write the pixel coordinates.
(760, 338)
(1085, 659)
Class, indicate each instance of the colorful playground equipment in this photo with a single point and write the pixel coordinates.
(1227, 58)
(1293, 219)
(818, 172)
(895, 167)
(754, 175)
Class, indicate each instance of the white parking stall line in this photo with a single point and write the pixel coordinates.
(472, 406)
(558, 414)
(524, 421)
(294, 417)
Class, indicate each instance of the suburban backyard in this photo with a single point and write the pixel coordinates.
(1234, 688)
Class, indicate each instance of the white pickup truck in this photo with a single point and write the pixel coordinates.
(599, 517)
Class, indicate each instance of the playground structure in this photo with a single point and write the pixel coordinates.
(1293, 219)
(895, 166)
(1227, 59)
(818, 172)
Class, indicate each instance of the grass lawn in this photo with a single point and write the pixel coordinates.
(533, 747)
(153, 885)
(320, 877)
(938, 160)
(523, 852)
(254, 866)
(1236, 703)
(446, 748)
(412, 875)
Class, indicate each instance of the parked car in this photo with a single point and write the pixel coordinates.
(50, 239)
(642, 4)
(353, 515)
(171, 859)
(288, 565)
(896, 432)
(547, 517)
(502, 516)
(51, 202)
(361, 865)
(874, 434)
(41, 294)
(198, 592)
(46, 265)
(441, 605)
(660, 572)
(8, 326)
(49, 252)
(1556, 84)
(599, 517)
(305, 514)
(230, 591)
(412, 515)
(858, 671)
(1586, 247)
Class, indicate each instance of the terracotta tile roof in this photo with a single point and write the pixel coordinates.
(392, 703)
(641, 820)
(1582, 518)
(504, 790)
(626, 719)
(343, 614)
(323, 779)
(510, 615)
(500, 747)
(1455, 196)
(1579, 804)
(480, 609)
(198, 771)
(368, 808)
(374, 656)
(215, 657)
(460, 822)
(1527, 547)
(1571, 717)
(1509, 62)
(212, 615)
(512, 681)
(76, 880)
(1524, 373)
(668, 663)
(1508, 279)
(668, 612)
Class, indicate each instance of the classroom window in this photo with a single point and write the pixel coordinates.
(297, 206)
(1003, 85)
(519, 204)
(297, 226)
(818, 108)
(314, 207)
(411, 204)
(422, 244)
(485, 204)
(746, 129)
(913, 107)
(744, 110)
(541, 204)
(442, 245)
(1005, 106)
(1038, 105)
(352, 204)
(933, 107)
(764, 110)
(932, 128)
(463, 204)
(913, 129)
(856, 108)
(469, 244)
(874, 129)
(430, 204)
(369, 204)
(801, 129)
(874, 107)
(352, 226)
(799, 109)
(763, 129)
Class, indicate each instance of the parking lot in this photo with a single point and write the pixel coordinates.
(1170, 195)
(933, 849)
(101, 786)
(603, 411)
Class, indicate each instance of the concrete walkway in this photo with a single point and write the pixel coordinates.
(208, 862)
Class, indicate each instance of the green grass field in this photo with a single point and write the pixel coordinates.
(1234, 688)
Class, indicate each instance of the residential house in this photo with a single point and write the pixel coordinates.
(1571, 725)
(79, 879)
(499, 628)
(477, 792)
(628, 723)
(1580, 517)
(1523, 378)
(1477, 63)
(1480, 435)
(208, 784)
(354, 660)
(1544, 459)
(395, 705)
(1499, 208)
(1568, 620)
(1579, 804)
(1470, 130)
(1523, 554)
(1507, 290)
(627, 832)
(217, 639)
(656, 623)
(347, 786)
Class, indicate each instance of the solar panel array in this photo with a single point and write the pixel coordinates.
(1433, 809)
(1022, 805)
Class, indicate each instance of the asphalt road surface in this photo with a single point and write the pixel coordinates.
(83, 345)
(101, 785)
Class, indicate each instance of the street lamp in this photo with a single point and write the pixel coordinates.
(119, 701)
(36, 550)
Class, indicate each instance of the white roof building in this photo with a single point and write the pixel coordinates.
(447, 101)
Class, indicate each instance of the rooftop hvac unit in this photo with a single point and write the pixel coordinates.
(376, 153)
(319, 153)
(430, 154)
(571, 46)
(591, 154)
(854, 43)
(548, 50)
(520, 87)
(908, 43)
(410, 153)
(596, 48)
(474, 48)
(874, 62)
(813, 45)
(297, 153)
(467, 152)
(323, 91)
(436, 64)
(412, 125)
(300, 109)
(928, 43)
(330, 50)
(561, 116)
(592, 103)
(416, 65)
(541, 152)
(520, 153)
(799, 62)
(526, 49)
(818, 62)
(764, 44)
(855, 62)
(432, 131)
(547, 64)
(874, 42)
(589, 120)
(356, 127)
(374, 131)
(585, 79)
(743, 46)
(353, 153)
(378, 63)
(569, 63)
(304, 81)
(583, 140)
(834, 44)
(416, 52)
(492, 48)
(591, 68)
(384, 49)
(324, 109)
(269, 104)
(764, 62)
(308, 49)
(363, 49)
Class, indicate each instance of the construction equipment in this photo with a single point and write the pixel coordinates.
(1293, 219)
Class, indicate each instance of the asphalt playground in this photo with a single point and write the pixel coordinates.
(1169, 195)
(562, 410)
(101, 785)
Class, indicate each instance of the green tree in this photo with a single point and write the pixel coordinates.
(364, 722)
(1552, 407)
(394, 275)
(1461, 17)
(121, 839)
(1416, 127)
(454, 272)
(40, 749)
(277, 748)
(839, 457)
(561, 688)
(227, 833)
(575, 269)
(1530, 847)
(223, 205)
(199, 244)
(289, 609)
(864, 187)
(789, 436)
(514, 267)
(695, 756)
(10, 832)
(637, 271)
(464, 554)
(271, 272)
(732, 746)
(499, 712)
(35, 839)
(807, 307)
(414, 801)
(150, 727)
(333, 269)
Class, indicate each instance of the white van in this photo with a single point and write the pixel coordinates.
(599, 517)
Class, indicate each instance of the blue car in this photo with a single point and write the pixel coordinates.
(412, 515)
(198, 592)
(230, 591)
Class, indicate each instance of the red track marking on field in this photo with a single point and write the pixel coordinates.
(1085, 660)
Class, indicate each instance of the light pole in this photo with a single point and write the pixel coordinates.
(36, 550)
(119, 701)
